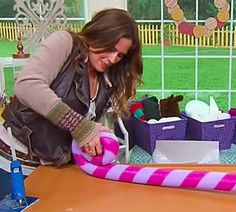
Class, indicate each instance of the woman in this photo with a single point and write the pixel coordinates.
(69, 84)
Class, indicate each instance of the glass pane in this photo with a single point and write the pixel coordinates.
(151, 50)
(144, 10)
(221, 99)
(9, 80)
(74, 8)
(152, 74)
(179, 73)
(234, 74)
(213, 74)
(6, 9)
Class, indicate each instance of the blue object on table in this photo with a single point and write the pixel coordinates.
(17, 182)
(17, 178)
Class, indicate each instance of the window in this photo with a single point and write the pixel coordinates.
(194, 67)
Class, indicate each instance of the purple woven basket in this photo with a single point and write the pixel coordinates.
(234, 136)
(146, 135)
(219, 130)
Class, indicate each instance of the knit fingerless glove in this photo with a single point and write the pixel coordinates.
(81, 129)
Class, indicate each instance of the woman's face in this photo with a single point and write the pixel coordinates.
(101, 61)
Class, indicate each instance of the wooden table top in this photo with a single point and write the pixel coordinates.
(70, 189)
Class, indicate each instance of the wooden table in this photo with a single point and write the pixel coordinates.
(70, 189)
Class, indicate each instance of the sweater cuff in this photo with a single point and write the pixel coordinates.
(85, 132)
(82, 130)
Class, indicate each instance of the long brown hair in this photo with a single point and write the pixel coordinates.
(104, 31)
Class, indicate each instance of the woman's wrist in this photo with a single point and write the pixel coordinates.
(64, 117)
(82, 130)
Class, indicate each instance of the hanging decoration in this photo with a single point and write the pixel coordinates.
(42, 16)
(191, 29)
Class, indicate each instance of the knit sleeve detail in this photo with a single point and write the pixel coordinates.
(82, 130)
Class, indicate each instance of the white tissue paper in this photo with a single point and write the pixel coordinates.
(203, 112)
(198, 110)
(162, 120)
(186, 151)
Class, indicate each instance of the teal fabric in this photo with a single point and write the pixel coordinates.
(228, 156)
(139, 113)
(139, 156)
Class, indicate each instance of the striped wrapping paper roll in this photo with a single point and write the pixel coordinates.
(103, 167)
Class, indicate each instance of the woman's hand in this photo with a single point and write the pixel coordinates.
(94, 147)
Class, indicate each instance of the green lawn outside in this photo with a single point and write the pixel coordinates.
(7, 48)
(213, 74)
(179, 73)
